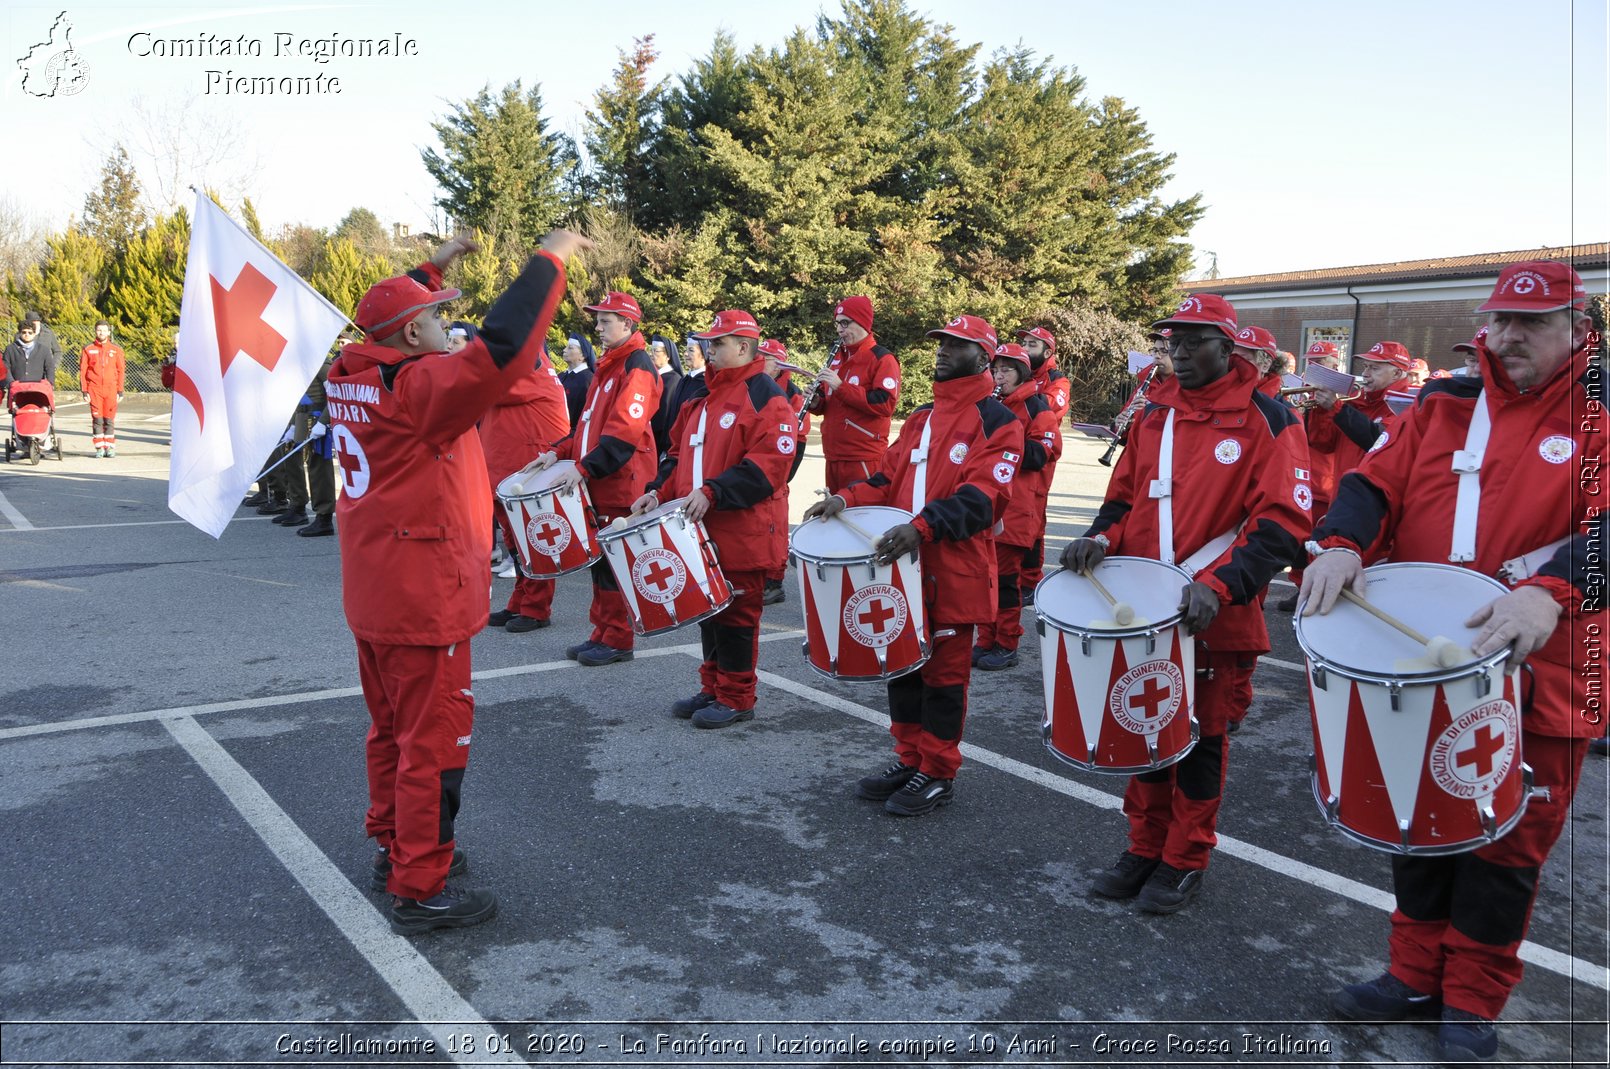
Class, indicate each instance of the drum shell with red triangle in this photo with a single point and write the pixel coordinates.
(1117, 700)
(667, 569)
(1409, 758)
(863, 620)
(555, 531)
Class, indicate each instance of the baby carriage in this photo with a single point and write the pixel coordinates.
(33, 425)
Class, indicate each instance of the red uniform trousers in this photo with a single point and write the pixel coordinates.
(1033, 567)
(1173, 812)
(1460, 920)
(611, 619)
(531, 597)
(731, 641)
(420, 714)
(1006, 630)
(928, 707)
(841, 473)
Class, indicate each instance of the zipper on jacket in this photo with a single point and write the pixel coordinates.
(857, 426)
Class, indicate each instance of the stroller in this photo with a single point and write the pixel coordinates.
(33, 426)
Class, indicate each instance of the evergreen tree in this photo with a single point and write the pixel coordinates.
(621, 127)
(363, 228)
(145, 283)
(500, 169)
(482, 276)
(344, 274)
(682, 185)
(248, 217)
(113, 213)
(66, 286)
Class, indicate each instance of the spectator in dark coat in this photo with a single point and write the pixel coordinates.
(580, 361)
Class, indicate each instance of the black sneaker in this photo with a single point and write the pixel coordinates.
(1288, 604)
(1027, 597)
(274, 506)
(716, 715)
(1169, 889)
(1126, 877)
(885, 783)
(997, 660)
(979, 652)
(453, 907)
(380, 872)
(519, 625)
(1232, 726)
(575, 652)
(774, 593)
(921, 794)
(598, 655)
(1465, 1037)
(293, 517)
(686, 707)
(499, 618)
(1385, 998)
(319, 528)
(259, 498)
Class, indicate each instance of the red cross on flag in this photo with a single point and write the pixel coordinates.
(252, 335)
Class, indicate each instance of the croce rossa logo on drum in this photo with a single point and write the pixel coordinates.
(1473, 755)
(1145, 698)
(659, 575)
(548, 532)
(875, 615)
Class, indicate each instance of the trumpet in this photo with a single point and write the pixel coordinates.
(1308, 401)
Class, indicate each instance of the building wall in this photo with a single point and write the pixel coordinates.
(1428, 328)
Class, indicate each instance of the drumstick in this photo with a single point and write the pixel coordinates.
(1439, 650)
(872, 539)
(1122, 614)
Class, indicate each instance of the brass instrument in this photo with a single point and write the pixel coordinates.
(1120, 425)
(1308, 402)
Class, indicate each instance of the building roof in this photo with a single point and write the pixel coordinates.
(1487, 263)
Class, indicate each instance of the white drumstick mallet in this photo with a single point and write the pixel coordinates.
(1440, 651)
(1122, 614)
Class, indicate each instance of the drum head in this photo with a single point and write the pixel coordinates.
(646, 519)
(1071, 602)
(829, 540)
(1434, 599)
(534, 482)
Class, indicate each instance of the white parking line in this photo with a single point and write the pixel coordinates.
(1554, 961)
(17, 520)
(435, 1004)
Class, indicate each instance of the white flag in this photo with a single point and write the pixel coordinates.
(253, 335)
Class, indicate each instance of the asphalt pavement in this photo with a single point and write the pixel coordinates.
(182, 778)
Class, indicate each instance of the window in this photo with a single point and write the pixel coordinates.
(1338, 332)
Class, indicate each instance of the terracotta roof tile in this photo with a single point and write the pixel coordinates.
(1446, 266)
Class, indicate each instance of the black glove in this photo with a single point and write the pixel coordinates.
(1083, 554)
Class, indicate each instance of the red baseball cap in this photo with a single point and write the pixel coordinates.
(1537, 286)
(1159, 335)
(1389, 352)
(1202, 309)
(622, 304)
(1250, 337)
(391, 303)
(1421, 366)
(1014, 352)
(969, 328)
(732, 321)
(857, 309)
(1470, 346)
(1323, 349)
(773, 347)
(1041, 333)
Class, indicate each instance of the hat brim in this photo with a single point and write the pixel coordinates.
(626, 312)
(1464, 347)
(1578, 303)
(741, 332)
(943, 333)
(395, 322)
(1173, 323)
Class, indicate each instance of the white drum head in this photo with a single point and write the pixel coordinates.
(650, 518)
(830, 540)
(1071, 602)
(1434, 599)
(534, 482)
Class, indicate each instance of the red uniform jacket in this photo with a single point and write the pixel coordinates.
(749, 445)
(524, 422)
(973, 454)
(855, 417)
(1053, 384)
(1237, 459)
(100, 371)
(1024, 522)
(614, 439)
(1345, 434)
(416, 511)
(1540, 481)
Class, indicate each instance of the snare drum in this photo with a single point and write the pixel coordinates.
(1118, 700)
(666, 566)
(863, 620)
(1409, 757)
(554, 530)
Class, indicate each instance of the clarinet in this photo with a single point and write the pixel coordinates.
(816, 384)
(1120, 426)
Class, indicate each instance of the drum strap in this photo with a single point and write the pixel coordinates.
(697, 442)
(919, 462)
(1211, 551)
(1467, 465)
(1526, 565)
(1163, 491)
(586, 424)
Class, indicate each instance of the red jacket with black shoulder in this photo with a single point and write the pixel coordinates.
(1024, 522)
(613, 441)
(856, 416)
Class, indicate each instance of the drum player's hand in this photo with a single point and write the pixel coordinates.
(1524, 618)
(695, 505)
(826, 509)
(1200, 604)
(897, 542)
(543, 462)
(1082, 555)
(1324, 578)
(644, 503)
(572, 478)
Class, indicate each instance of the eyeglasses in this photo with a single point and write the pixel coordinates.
(1191, 343)
(842, 323)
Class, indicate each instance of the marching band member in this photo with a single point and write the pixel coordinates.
(1323, 472)
(1258, 347)
(1468, 350)
(1344, 431)
(952, 467)
(1213, 479)
(416, 535)
(774, 353)
(1519, 435)
(856, 396)
(731, 449)
(613, 447)
(1023, 526)
(1041, 346)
